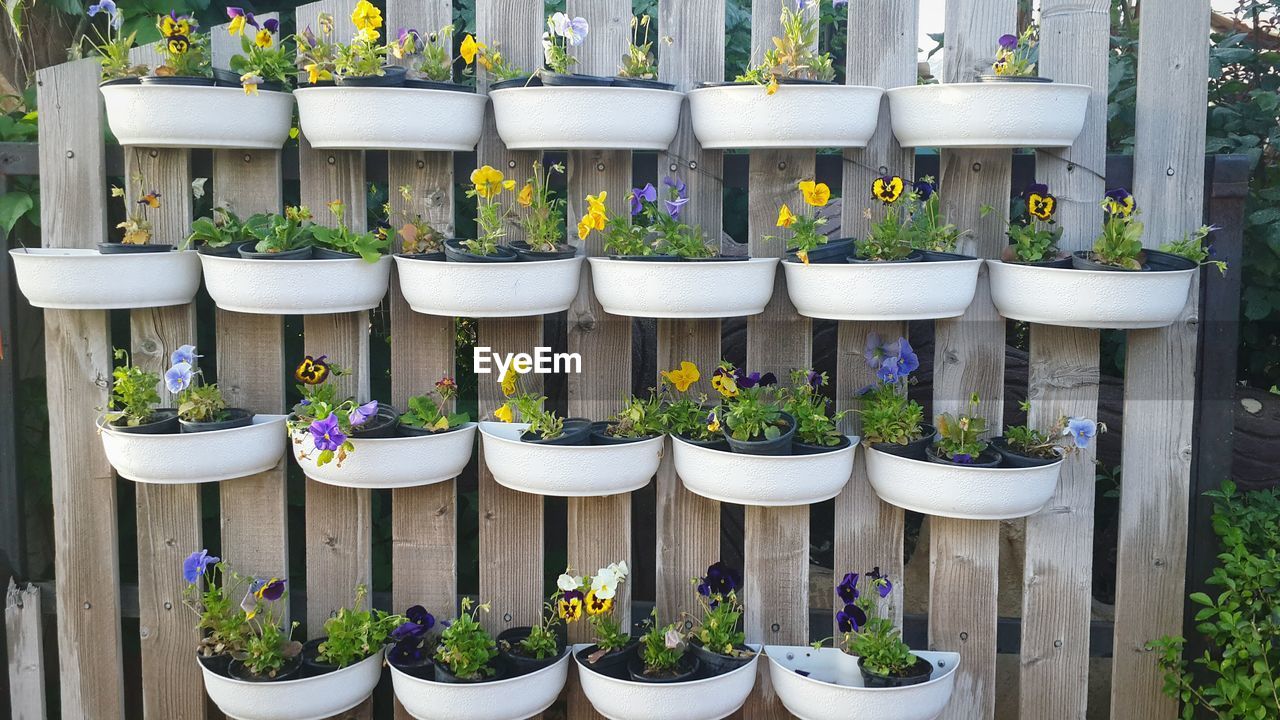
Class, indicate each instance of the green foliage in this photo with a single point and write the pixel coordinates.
(793, 55)
(430, 410)
(639, 417)
(1192, 247)
(218, 230)
(272, 63)
(720, 627)
(809, 407)
(202, 403)
(960, 435)
(888, 416)
(639, 62)
(543, 218)
(1120, 243)
(278, 233)
(355, 633)
(221, 622)
(661, 647)
(542, 642)
(133, 392)
(877, 641)
(368, 245)
(465, 647)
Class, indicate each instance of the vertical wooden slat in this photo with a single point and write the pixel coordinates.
(1160, 364)
(968, 358)
(868, 531)
(688, 525)
(24, 647)
(78, 368)
(1063, 380)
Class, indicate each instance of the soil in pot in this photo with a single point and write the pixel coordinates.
(600, 435)
(216, 664)
(641, 83)
(914, 256)
(420, 84)
(513, 655)
(455, 251)
(163, 421)
(184, 80)
(832, 253)
(575, 80)
(914, 449)
(916, 674)
(988, 458)
(1083, 260)
(686, 668)
(804, 448)
(324, 253)
(611, 664)
(1013, 79)
(312, 665)
(444, 676)
(248, 253)
(382, 425)
(1014, 459)
(714, 663)
(392, 76)
(577, 431)
(524, 81)
(780, 445)
(229, 250)
(291, 670)
(235, 417)
(432, 256)
(716, 443)
(528, 254)
(116, 248)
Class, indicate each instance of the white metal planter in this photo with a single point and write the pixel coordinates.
(763, 479)
(510, 699)
(390, 118)
(313, 698)
(1089, 298)
(567, 470)
(833, 690)
(76, 279)
(882, 291)
(182, 458)
(796, 116)
(707, 699)
(391, 462)
(683, 289)
(295, 287)
(988, 115)
(179, 116)
(507, 289)
(586, 118)
(955, 491)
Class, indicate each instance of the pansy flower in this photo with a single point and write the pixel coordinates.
(361, 414)
(888, 188)
(326, 434)
(815, 194)
(196, 564)
(724, 382)
(525, 198)
(151, 199)
(923, 189)
(1081, 431)
(504, 413)
(684, 377)
(1040, 204)
(419, 615)
(407, 630)
(719, 581)
(271, 590)
(786, 218)
(847, 590)
(880, 582)
(746, 381)
(175, 25)
(470, 48)
(1119, 202)
(569, 607)
(184, 353)
(312, 371)
(178, 377)
(597, 605)
(510, 379)
(851, 618)
(639, 196)
(713, 422)
(489, 181)
(1009, 42)
(366, 16)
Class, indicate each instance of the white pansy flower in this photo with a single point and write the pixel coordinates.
(567, 582)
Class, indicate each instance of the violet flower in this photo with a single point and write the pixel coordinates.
(880, 582)
(196, 564)
(326, 434)
(186, 354)
(639, 196)
(361, 415)
(178, 377)
(847, 590)
(1009, 42)
(1081, 430)
(924, 189)
(419, 615)
(851, 618)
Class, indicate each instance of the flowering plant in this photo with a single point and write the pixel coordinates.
(528, 407)
(593, 597)
(793, 56)
(329, 421)
(353, 634)
(487, 183)
(430, 413)
(136, 223)
(1025, 440)
(280, 233)
(434, 52)
(959, 437)
(416, 235)
(639, 63)
(185, 53)
(682, 413)
(197, 401)
(543, 219)
(719, 630)
(867, 634)
(211, 585)
(1120, 244)
(133, 393)
(805, 227)
(888, 415)
(1016, 55)
(112, 45)
(662, 233)
(1033, 236)
(542, 641)
(562, 33)
(661, 647)
(912, 221)
(466, 649)
(317, 54)
(640, 417)
(364, 56)
(412, 642)
(752, 403)
(221, 228)
(268, 646)
(368, 245)
(803, 402)
(261, 58)
(1192, 247)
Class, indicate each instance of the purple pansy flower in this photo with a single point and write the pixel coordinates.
(639, 196)
(1036, 189)
(924, 189)
(815, 380)
(361, 415)
(271, 25)
(880, 582)
(1008, 42)
(674, 206)
(676, 184)
(873, 351)
(196, 564)
(406, 630)
(419, 616)
(851, 618)
(326, 434)
(1081, 430)
(847, 590)
(186, 354)
(271, 590)
(178, 377)
(962, 459)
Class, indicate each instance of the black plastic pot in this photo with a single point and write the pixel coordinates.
(577, 431)
(184, 80)
(434, 256)
(715, 258)
(916, 674)
(718, 443)
(115, 248)
(121, 81)
(163, 421)
(1013, 459)
(783, 81)
(575, 80)
(641, 83)
(528, 254)
(230, 250)
(914, 449)
(526, 81)
(419, 84)
(714, 663)
(292, 670)
(216, 664)
(939, 256)
(1012, 79)
(599, 435)
(236, 417)
(318, 83)
(988, 458)
(444, 676)
(392, 76)
(914, 256)
(780, 445)
(1161, 261)
(1083, 260)
(804, 448)
(831, 253)
(612, 664)
(1063, 261)
(382, 425)
(686, 668)
(513, 657)
(231, 78)
(646, 258)
(403, 430)
(324, 253)
(424, 669)
(454, 251)
(312, 665)
(302, 253)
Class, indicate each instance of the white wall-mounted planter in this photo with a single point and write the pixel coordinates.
(763, 479)
(295, 287)
(391, 462)
(833, 688)
(390, 118)
(313, 698)
(506, 289)
(968, 493)
(683, 289)
(183, 458)
(567, 470)
(707, 699)
(586, 118)
(185, 116)
(988, 115)
(1089, 298)
(882, 291)
(76, 279)
(510, 699)
(796, 116)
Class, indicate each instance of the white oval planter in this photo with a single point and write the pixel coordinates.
(182, 458)
(699, 289)
(507, 289)
(510, 699)
(763, 479)
(75, 279)
(198, 117)
(707, 699)
(567, 470)
(988, 115)
(586, 118)
(833, 688)
(882, 291)
(390, 118)
(295, 287)
(1089, 298)
(391, 462)
(313, 698)
(796, 116)
(960, 492)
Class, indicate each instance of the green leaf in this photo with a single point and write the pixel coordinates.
(13, 205)
(1200, 598)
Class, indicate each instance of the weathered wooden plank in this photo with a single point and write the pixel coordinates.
(1160, 364)
(78, 368)
(969, 357)
(1064, 381)
(25, 650)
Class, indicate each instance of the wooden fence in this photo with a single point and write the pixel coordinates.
(252, 368)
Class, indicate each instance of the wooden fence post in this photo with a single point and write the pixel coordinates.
(24, 647)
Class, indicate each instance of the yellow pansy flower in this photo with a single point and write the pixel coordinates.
(366, 16)
(595, 203)
(597, 605)
(723, 382)
(887, 189)
(570, 607)
(584, 227)
(179, 45)
(525, 198)
(251, 88)
(488, 181)
(816, 194)
(315, 74)
(803, 255)
(1041, 206)
(684, 377)
(237, 24)
(772, 87)
(509, 381)
(470, 47)
(263, 38)
(503, 413)
(785, 217)
(713, 422)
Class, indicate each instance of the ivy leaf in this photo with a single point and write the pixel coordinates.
(13, 205)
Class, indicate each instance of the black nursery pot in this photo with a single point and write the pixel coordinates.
(392, 76)
(916, 674)
(116, 248)
(432, 256)
(420, 84)
(804, 448)
(121, 81)
(715, 258)
(323, 253)
(577, 431)
(599, 435)
(613, 663)
(455, 251)
(988, 458)
(646, 258)
(1161, 261)
(641, 83)
(718, 443)
(780, 445)
(831, 253)
(236, 417)
(403, 430)
(527, 254)
(302, 253)
(1013, 79)
(1083, 260)
(230, 250)
(1063, 262)
(714, 663)
(444, 676)
(525, 81)
(163, 421)
(231, 78)
(914, 256)
(216, 664)
(686, 668)
(914, 449)
(292, 670)
(185, 80)
(575, 80)
(382, 425)
(939, 256)
(513, 657)
(312, 665)
(1014, 459)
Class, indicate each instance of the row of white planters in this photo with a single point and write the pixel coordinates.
(724, 116)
